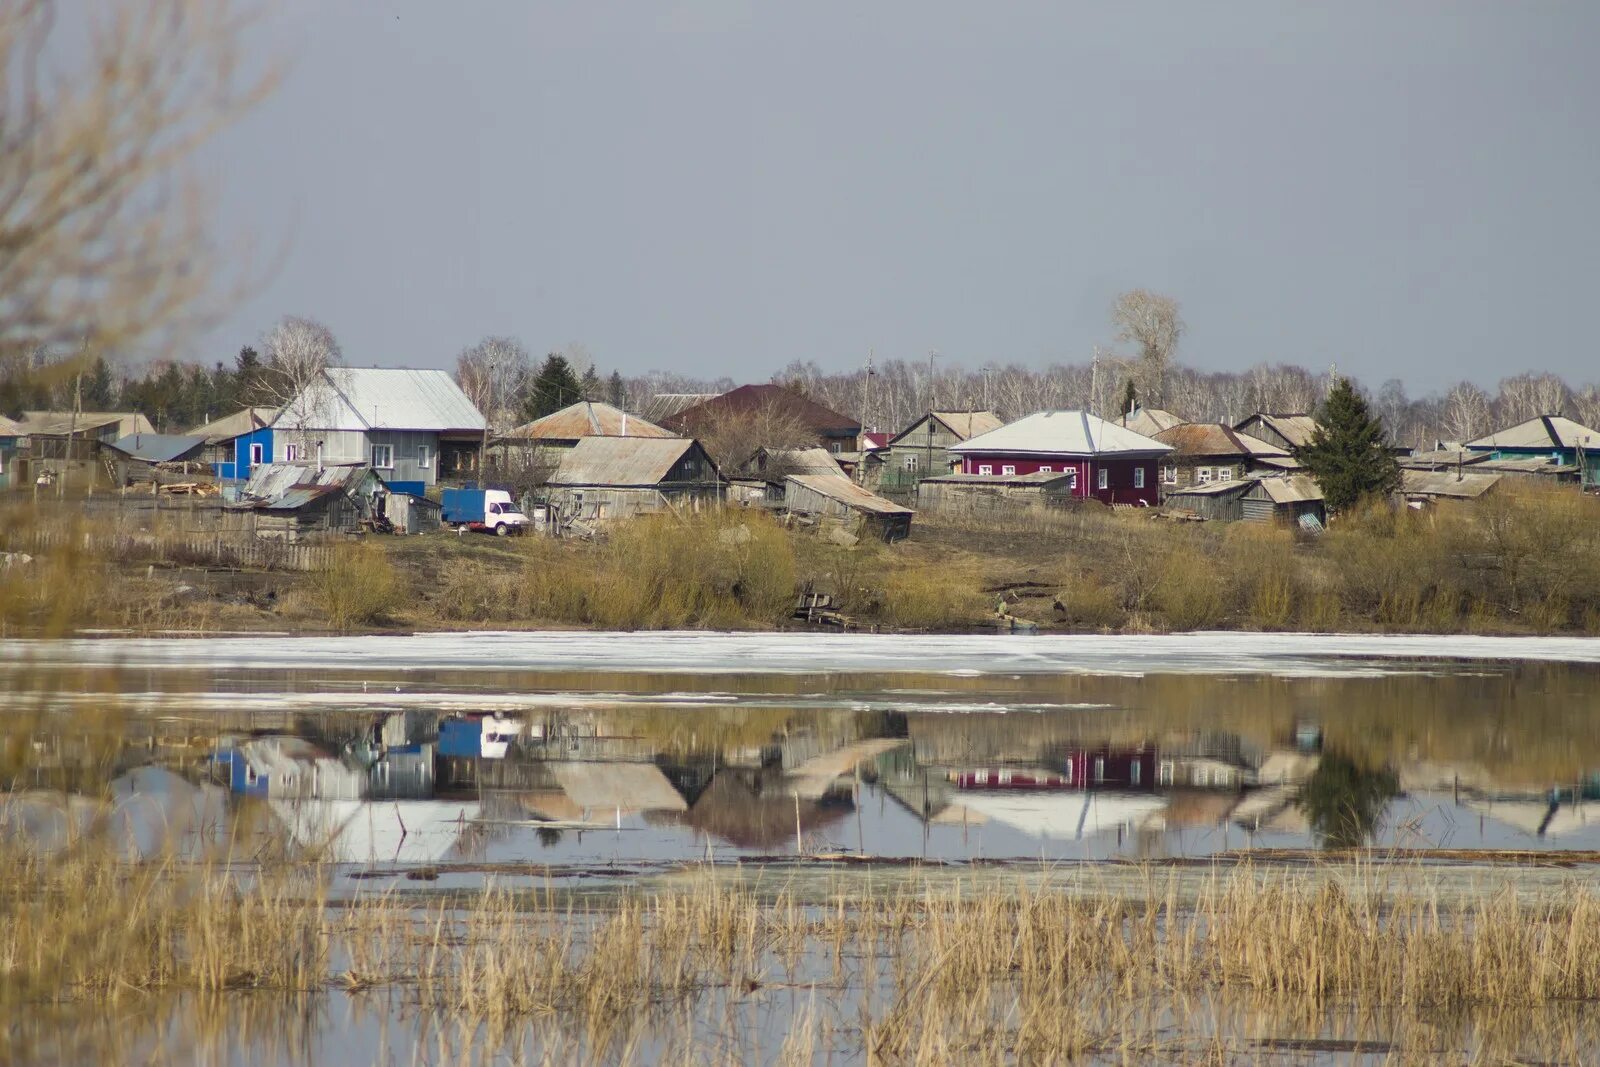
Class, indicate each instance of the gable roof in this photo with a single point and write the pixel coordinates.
(587, 418)
(1057, 433)
(1215, 439)
(748, 399)
(1296, 427)
(1447, 483)
(1149, 421)
(10, 427)
(962, 425)
(241, 422)
(622, 461)
(382, 398)
(60, 423)
(839, 487)
(158, 447)
(1543, 431)
(813, 460)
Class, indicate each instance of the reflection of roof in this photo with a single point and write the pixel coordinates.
(1530, 815)
(246, 420)
(1215, 439)
(739, 813)
(1063, 816)
(158, 447)
(382, 398)
(587, 419)
(621, 461)
(1149, 421)
(1296, 428)
(288, 486)
(359, 831)
(838, 487)
(626, 786)
(1074, 433)
(751, 399)
(1447, 483)
(1543, 431)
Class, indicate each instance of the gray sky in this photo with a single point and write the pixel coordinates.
(723, 187)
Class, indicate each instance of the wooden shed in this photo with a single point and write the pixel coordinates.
(833, 496)
(605, 478)
(966, 494)
(1293, 498)
(1222, 501)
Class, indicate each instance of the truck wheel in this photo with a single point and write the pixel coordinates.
(502, 530)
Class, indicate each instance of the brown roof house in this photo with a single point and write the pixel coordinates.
(605, 478)
(538, 446)
(754, 403)
(1206, 452)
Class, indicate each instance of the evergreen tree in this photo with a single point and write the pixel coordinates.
(247, 371)
(1349, 454)
(99, 389)
(553, 388)
(1130, 397)
(1344, 801)
(589, 385)
(616, 391)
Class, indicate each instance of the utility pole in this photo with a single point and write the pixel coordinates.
(866, 396)
(933, 354)
(1094, 382)
(72, 430)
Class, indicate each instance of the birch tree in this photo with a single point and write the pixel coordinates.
(299, 351)
(494, 375)
(1151, 323)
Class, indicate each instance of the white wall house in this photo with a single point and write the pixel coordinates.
(412, 426)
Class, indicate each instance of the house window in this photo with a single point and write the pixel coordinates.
(1224, 474)
(985, 468)
(424, 457)
(1105, 478)
(1046, 468)
(256, 454)
(1134, 771)
(1072, 480)
(1099, 769)
(1005, 777)
(1138, 477)
(1202, 475)
(383, 457)
(1169, 475)
(1164, 772)
(911, 463)
(291, 453)
(1009, 469)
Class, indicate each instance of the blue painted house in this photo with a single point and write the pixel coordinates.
(1555, 438)
(10, 445)
(238, 442)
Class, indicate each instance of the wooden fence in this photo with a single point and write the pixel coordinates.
(233, 551)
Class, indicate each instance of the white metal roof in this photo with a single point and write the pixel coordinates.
(382, 398)
(1544, 431)
(1062, 433)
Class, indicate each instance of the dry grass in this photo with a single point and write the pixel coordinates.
(359, 587)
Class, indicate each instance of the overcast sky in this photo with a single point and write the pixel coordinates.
(723, 187)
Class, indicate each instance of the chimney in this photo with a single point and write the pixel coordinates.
(624, 424)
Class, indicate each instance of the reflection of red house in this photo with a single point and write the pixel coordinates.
(1110, 768)
(1006, 778)
(1107, 462)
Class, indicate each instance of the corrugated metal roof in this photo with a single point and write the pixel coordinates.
(621, 461)
(287, 486)
(246, 420)
(59, 423)
(1290, 489)
(158, 447)
(1062, 433)
(1297, 428)
(838, 487)
(1467, 485)
(1149, 421)
(587, 419)
(382, 398)
(1215, 439)
(1544, 431)
(665, 405)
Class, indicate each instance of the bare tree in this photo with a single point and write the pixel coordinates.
(1151, 322)
(298, 353)
(1586, 407)
(733, 437)
(494, 375)
(102, 229)
(1527, 396)
(1466, 413)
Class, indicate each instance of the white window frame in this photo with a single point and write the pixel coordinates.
(1202, 475)
(1072, 479)
(1164, 773)
(1224, 474)
(291, 453)
(1045, 468)
(1105, 478)
(424, 457)
(1169, 474)
(387, 452)
(1138, 477)
(1009, 469)
(258, 453)
(985, 468)
(910, 462)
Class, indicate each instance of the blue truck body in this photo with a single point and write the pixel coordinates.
(463, 505)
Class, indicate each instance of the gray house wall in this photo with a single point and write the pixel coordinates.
(355, 446)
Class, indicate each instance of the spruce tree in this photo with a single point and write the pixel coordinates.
(1130, 397)
(553, 388)
(589, 386)
(616, 391)
(99, 389)
(1349, 453)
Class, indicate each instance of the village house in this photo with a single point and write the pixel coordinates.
(1419, 488)
(837, 498)
(921, 450)
(833, 431)
(974, 494)
(292, 501)
(1105, 462)
(606, 478)
(1287, 431)
(237, 443)
(56, 442)
(1293, 499)
(141, 457)
(413, 427)
(1206, 452)
(1149, 421)
(11, 436)
(1550, 439)
(538, 446)
(763, 476)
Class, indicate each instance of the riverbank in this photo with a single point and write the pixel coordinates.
(1526, 561)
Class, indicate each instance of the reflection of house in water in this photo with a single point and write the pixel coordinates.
(358, 831)
(292, 768)
(753, 809)
(1066, 816)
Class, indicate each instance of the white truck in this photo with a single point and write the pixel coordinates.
(490, 510)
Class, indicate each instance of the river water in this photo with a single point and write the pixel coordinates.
(603, 761)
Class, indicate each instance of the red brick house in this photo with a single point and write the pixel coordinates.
(1108, 463)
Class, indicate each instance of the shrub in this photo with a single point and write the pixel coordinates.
(1085, 601)
(1188, 590)
(357, 588)
(926, 598)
